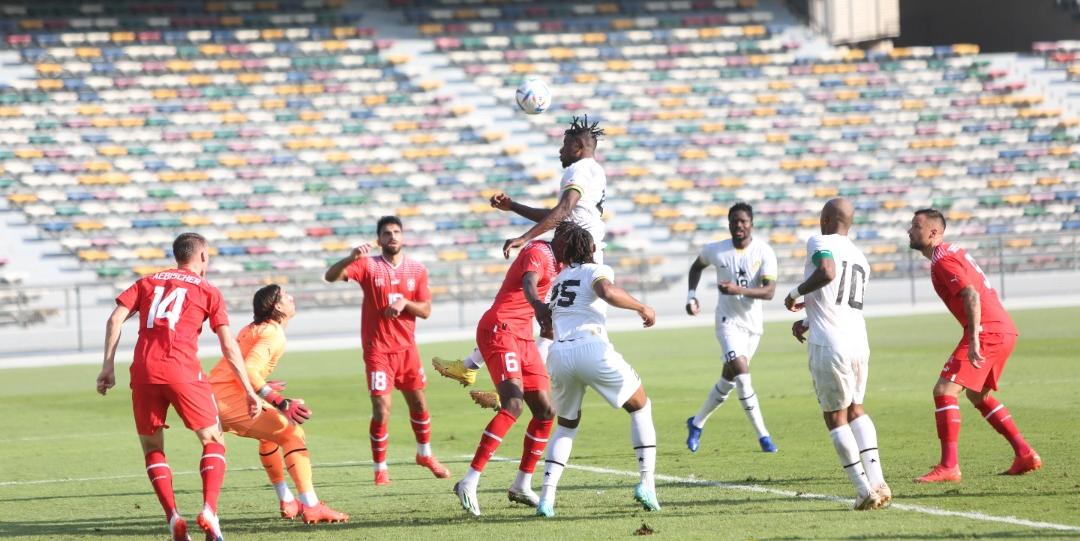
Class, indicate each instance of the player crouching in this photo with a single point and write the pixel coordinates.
(281, 440)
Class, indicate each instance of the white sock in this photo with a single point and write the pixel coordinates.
(283, 492)
(423, 449)
(475, 360)
(380, 466)
(558, 454)
(848, 452)
(543, 345)
(472, 477)
(522, 482)
(309, 499)
(866, 437)
(643, 438)
(750, 405)
(717, 395)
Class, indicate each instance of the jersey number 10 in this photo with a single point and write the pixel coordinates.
(854, 283)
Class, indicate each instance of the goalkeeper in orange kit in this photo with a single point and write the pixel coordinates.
(281, 440)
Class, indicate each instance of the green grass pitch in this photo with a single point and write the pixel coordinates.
(71, 468)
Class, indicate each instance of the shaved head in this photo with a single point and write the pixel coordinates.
(837, 216)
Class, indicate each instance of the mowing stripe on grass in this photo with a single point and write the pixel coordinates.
(972, 515)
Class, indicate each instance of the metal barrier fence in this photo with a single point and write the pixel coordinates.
(66, 317)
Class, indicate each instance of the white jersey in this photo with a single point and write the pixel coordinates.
(834, 313)
(576, 311)
(748, 267)
(587, 178)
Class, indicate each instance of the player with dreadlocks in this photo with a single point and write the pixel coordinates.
(583, 188)
(582, 356)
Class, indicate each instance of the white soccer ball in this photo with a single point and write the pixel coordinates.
(533, 96)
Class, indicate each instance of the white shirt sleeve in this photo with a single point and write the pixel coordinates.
(603, 272)
(814, 245)
(768, 264)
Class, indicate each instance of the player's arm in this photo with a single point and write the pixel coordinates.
(765, 292)
(973, 309)
(619, 298)
(551, 218)
(532, 294)
(107, 377)
(420, 309)
(338, 272)
(824, 273)
(693, 307)
(231, 351)
(503, 202)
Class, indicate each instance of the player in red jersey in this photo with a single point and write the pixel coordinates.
(978, 361)
(504, 336)
(172, 307)
(395, 294)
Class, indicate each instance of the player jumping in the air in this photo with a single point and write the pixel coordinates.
(582, 356)
(395, 294)
(172, 306)
(282, 444)
(835, 288)
(745, 275)
(581, 200)
(505, 339)
(976, 364)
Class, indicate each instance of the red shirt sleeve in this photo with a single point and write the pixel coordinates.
(423, 293)
(218, 314)
(130, 298)
(952, 274)
(534, 261)
(357, 269)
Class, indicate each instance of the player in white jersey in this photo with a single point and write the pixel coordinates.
(745, 275)
(583, 357)
(835, 288)
(582, 191)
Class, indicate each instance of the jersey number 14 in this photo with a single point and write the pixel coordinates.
(160, 306)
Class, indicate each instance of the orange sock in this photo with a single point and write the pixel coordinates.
(270, 456)
(298, 462)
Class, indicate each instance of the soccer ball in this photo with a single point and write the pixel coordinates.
(533, 96)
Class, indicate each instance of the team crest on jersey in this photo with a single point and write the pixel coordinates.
(755, 266)
(410, 284)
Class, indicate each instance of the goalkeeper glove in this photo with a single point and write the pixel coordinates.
(294, 409)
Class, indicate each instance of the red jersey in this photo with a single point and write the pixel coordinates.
(172, 307)
(383, 284)
(511, 307)
(951, 270)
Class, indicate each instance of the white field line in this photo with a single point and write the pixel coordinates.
(972, 515)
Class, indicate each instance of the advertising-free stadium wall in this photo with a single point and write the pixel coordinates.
(994, 25)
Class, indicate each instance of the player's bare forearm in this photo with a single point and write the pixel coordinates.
(973, 310)
(822, 275)
(765, 292)
(548, 222)
(616, 296)
(112, 334)
(336, 272)
(527, 212)
(532, 293)
(694, 278)
(419, 309)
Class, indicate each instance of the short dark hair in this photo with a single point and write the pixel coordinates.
(264, 304)
(933, 214)
(743, 207)
(185, 246)
(583, 131)
(577, 246)
(385, 221)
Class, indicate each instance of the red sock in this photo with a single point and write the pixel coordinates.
(536, 438)
(380, 436)
(947, 415)
(493, 436)
(999, 417)
(161, 478)
(212, 468)
(421, 426)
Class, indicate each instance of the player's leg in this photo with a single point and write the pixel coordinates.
(511, 395)
(410, 380)
(718, 393)
(194, 403)
(745, 390)
(996, 350)
(274, 463)
(862, 427)
(567, 392)
(643, 439)
(463, 371)
(834, 383)
(379, 375)
(150, 407)
(537, 387)
(947, 418)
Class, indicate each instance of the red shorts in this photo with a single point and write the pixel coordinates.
(510, 357)
(995, 349)
(399, 370)
(193, 402)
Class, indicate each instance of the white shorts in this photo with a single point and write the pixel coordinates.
(588, 362)
(839, 379)
(736, 342)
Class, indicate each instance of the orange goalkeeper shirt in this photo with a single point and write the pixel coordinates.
(262, 346)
